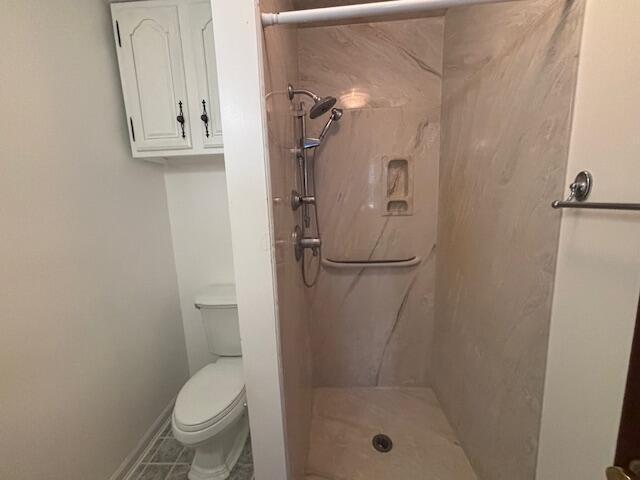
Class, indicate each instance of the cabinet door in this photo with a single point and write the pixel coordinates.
(153, 80)
(200, 28)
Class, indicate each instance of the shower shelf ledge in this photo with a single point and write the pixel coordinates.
(405, 263)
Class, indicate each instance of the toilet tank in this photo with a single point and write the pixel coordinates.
(219, 311)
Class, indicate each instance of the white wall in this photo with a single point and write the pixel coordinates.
(91, 343)
(199, 213)
(237, 29)
(598, 274)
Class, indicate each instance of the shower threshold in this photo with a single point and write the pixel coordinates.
(345, 420)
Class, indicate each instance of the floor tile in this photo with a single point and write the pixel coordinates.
(168, 451)
(154, 472)
(167, 432)
(179, 472)
(149, 455)
(243, 469)
(136, 473)
(186, 456)
(167, 459)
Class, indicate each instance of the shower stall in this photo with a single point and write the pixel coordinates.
(413, 160)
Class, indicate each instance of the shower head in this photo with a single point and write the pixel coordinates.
(321, 105)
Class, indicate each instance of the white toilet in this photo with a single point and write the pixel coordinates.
(210, 413)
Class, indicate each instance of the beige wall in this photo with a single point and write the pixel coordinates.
(374, 326)
(294, 315)
(509, 80)
(92, 348)
(598, 272)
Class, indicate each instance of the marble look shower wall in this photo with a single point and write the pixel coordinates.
(508, 88)
(280, 63)
(377, 189)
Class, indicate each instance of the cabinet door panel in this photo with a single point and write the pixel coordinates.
(152, 69)
(204, 58)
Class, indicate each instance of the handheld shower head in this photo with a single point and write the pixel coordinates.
(336, 114)
(321, 105)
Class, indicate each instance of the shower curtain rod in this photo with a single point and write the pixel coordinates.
(346, 12)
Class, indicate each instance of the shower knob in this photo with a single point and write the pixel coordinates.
(298, 200)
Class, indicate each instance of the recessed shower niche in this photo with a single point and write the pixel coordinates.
(398, 186)
(426, 322)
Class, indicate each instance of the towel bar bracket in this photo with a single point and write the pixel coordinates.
(581, 187)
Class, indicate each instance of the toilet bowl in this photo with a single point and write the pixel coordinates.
(210, 413)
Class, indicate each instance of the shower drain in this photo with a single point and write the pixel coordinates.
(382, 443)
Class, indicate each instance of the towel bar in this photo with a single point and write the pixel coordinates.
(579, 191)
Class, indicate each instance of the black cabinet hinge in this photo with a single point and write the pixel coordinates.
(118, 33)
(133, 132)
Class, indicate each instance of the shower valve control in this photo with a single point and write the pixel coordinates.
(297, 200)
(300, 243)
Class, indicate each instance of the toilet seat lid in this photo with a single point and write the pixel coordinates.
(210, 394)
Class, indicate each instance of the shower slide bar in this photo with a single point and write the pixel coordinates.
(409, 262)
(579, 191)
(345, 12)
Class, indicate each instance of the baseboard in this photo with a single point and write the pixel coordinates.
(148, 439)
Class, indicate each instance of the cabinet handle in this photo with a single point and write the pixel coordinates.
(133, 132)
(205, 118)
(180, 120)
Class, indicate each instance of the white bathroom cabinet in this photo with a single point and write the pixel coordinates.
(167, 66)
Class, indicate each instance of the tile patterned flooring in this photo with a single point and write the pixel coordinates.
(167, 459)
(346, 419)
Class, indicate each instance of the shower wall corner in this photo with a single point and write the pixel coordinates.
(280, 69)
